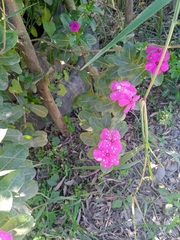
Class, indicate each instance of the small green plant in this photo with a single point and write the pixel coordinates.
(165, 116)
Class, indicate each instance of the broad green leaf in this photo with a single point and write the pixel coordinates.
(95, 138)
(142, 17)
(87, 100)
(28, 190)
(2, 133)
(16, 87)
(90, 39)
(13, 181)
(106, 120)
(13, 135)
(3, 78)
(64, 56)
(39, 110)
(117, 203)
(159, 79)
(95, 124)
(138, 76)
(46, 15)
(9, 58)
(6, 201)
(120, 126)
(84, 115)
(62, 89)
(127, 70)
(19, 207)
(13, 114)
(49, 2)
(86, 137)
(49, 27)
(60, 39)
(105, 105)
(85, 77)
(13, 157)
(11, 40)
(18, 221)
(112, 72)
(90, 153)
(4, 215)
(66, 20)
(13, 68)
(129, 50)
(33, 31)
(121, 60)
(29, 173)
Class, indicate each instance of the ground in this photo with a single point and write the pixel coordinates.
(83, 203)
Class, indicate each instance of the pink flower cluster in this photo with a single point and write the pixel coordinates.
(153, 56)
(125, 94)
(108, 148)
(74, 26)
(5, 235)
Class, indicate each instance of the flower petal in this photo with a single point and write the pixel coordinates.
(104, 145)
(98, 155)
(105, 134)
(115, 135)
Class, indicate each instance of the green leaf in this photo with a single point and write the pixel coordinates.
(3, 78)
(49, 2)
(96, 125)
(33, 31)
(64, 56)
(138, 76)
(11, 40)
(60, 39)
(12, 158)
(90, 39)
(13, 135)
(106, 120)
(50, 28)
(3, 132)
(117, 203)
(85, 77)
(13, 181)
(39, 110)
(121, 60)
(66, 20)
(159, 79)
(129, 50)
(16, 87)
(84, 115)
(6, 201)
(127, 70)
(46, 15)
(129, 155)
(13, 68)
(9, 58)
(86, 137)
(28, 190)
(62, 90)
(105, 105)
(12, 114)
(142, 17)
(120, 126)
(112, 72)
(21, 221)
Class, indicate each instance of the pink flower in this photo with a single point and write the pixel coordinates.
(153, 57)
(152, 66)
(74, 26)
(125, 94)
(108, 148)
(5, 235)
(121, 87)
(128, 101)
(106, 154)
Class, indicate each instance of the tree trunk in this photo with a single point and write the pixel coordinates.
(129, 12)
(28, 53)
